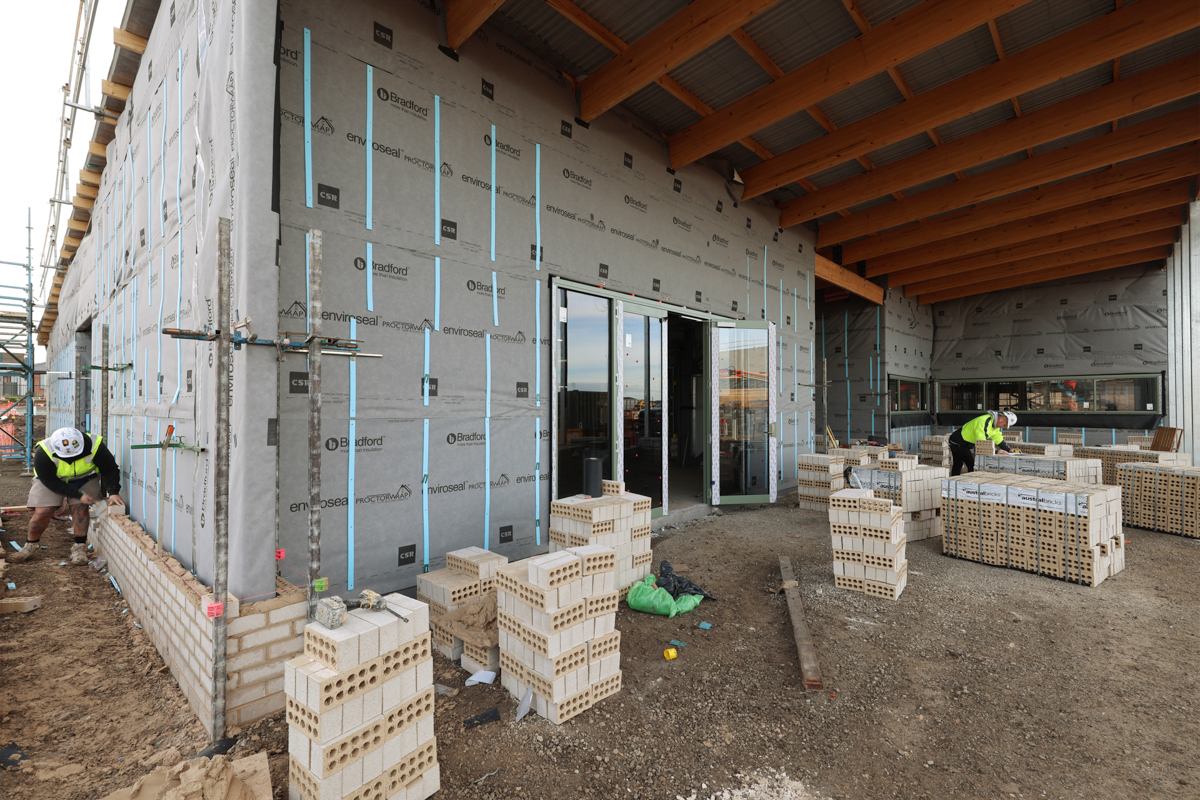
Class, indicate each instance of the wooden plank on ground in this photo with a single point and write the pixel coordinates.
(809, 669)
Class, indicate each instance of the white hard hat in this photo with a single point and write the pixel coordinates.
(1012, 418)
(66, 442)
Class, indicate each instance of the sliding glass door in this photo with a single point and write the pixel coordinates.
(643, 409)
(743, 389)
(584, 396)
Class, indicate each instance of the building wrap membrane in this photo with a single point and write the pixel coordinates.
(450, 194)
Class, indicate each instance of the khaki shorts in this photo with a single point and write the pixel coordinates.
(42, 497)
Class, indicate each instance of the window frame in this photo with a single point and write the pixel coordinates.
(1094, 380)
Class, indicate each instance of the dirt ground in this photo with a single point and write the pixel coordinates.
(978, 683)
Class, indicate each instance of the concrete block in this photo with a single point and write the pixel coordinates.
(261, 672)
(424, 674)
(352, 713)
(372, 703)
(368, 636)
(425, 730)
(311, 787)
(293, 644)
(388, 627)
(241, 625)
(336, 648)
(266, 635)
(242, 660)
(372, 765)
(299, 746)
(287, 613)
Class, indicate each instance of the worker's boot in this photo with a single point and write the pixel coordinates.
(79, 555)
(24, 554)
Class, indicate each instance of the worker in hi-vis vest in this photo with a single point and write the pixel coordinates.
(985, 426)
(68, 465)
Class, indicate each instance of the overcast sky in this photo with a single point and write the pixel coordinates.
(37, 58)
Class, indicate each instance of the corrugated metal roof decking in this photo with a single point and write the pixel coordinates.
(721, 73)
(869, 97)
(1037, 21)
(795, 32)
(960, 56)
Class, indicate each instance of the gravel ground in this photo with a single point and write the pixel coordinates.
(978, 683)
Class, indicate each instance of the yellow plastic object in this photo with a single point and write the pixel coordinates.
(670, 653)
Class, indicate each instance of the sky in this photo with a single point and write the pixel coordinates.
(37, 56)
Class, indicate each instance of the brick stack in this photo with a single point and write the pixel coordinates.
(619, 520)
(1112, 457)
(1053, 528)
(868, 544)
(469, 576)
(1012, 436)
(1070, 438)
(915, 489)
(1142, 442)
(1044, 449)
(557, 616)
(934, 451)
(360, 708)
(1073, 470)
(1161, 498)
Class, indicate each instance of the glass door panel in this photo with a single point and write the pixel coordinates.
(584, 399)
(642, 405)
(743, 409)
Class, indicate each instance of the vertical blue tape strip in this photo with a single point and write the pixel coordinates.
(174, 470)
(133, 341)
(179, 149)
(162, 175)
(495, 300)
(425, 374)
(350, 495)
(537, 481)
(162, 296)
(178, 310)
(145, 453)
(487, 445)
(370, 276)
(437, 293)
(308, 180)
(537, 205)
(437, 170)
(425, 493)
(370, 153)
(537, 343)
(158, 534)
(149, 179)
(795, 310)
(493, 193)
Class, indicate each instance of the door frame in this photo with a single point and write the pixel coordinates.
(772, 466)
(638, 305)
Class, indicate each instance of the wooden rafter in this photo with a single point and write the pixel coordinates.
(116, 90)
(463, 18)
(129, 41)
(97, 149)
(1133, 142)
(688, 32)
(854, 283)
(998, 257)
(1089, 44)
(90, 177)
(897, 40)
(1144, 91)
(1182, 162)
(604, 36)
(1107, 209)
(86, 191)
(1062, 258)
(1000, 282)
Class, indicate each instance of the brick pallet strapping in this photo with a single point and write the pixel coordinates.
(1053, 528)
(1074, 470)
(1111, 457)
(1161, 498)
(360, 716)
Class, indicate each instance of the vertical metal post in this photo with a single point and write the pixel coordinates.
(30, 353)
(221, 479)
(314, 418)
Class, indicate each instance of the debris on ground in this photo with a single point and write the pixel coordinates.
(216, 778)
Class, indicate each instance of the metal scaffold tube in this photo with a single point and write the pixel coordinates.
(221, 480)
(315, 251)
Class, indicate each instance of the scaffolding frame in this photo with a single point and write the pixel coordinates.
(16, 341)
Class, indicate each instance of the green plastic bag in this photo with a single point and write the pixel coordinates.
(648, 597)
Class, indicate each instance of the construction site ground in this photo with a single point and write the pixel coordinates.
(979, 682)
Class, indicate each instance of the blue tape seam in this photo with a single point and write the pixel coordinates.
(350, 495)
(495, 301)
(370, 145)
(370, 268)
(437, 173)
(308, 178)
(493, 197)
(487, 441)
(537, 206)
(425, 491)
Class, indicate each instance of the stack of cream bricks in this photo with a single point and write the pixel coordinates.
(868, 544)
(469, 576)
(934, 451)
(360, 708)
(913, 488)
(558, 636)
(1046, 449)
(1161, 498)
(1073, 470)
(1113, 456)
(1054, 528)
(618, 519)
(819, 475)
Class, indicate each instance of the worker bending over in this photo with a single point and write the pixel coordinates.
(69, 465)
(985, 426)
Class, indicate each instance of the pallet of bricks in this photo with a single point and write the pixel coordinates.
(1073, 470)
(1053, 528)
(1161, 498)
(1140, 442)
(868, 544)
(468, 578)
(618, 519)
(822, 474)
(1113, 456)
(1046, 449)
(915, 489)
(360, 708)
(558, 637)
(934, 451)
